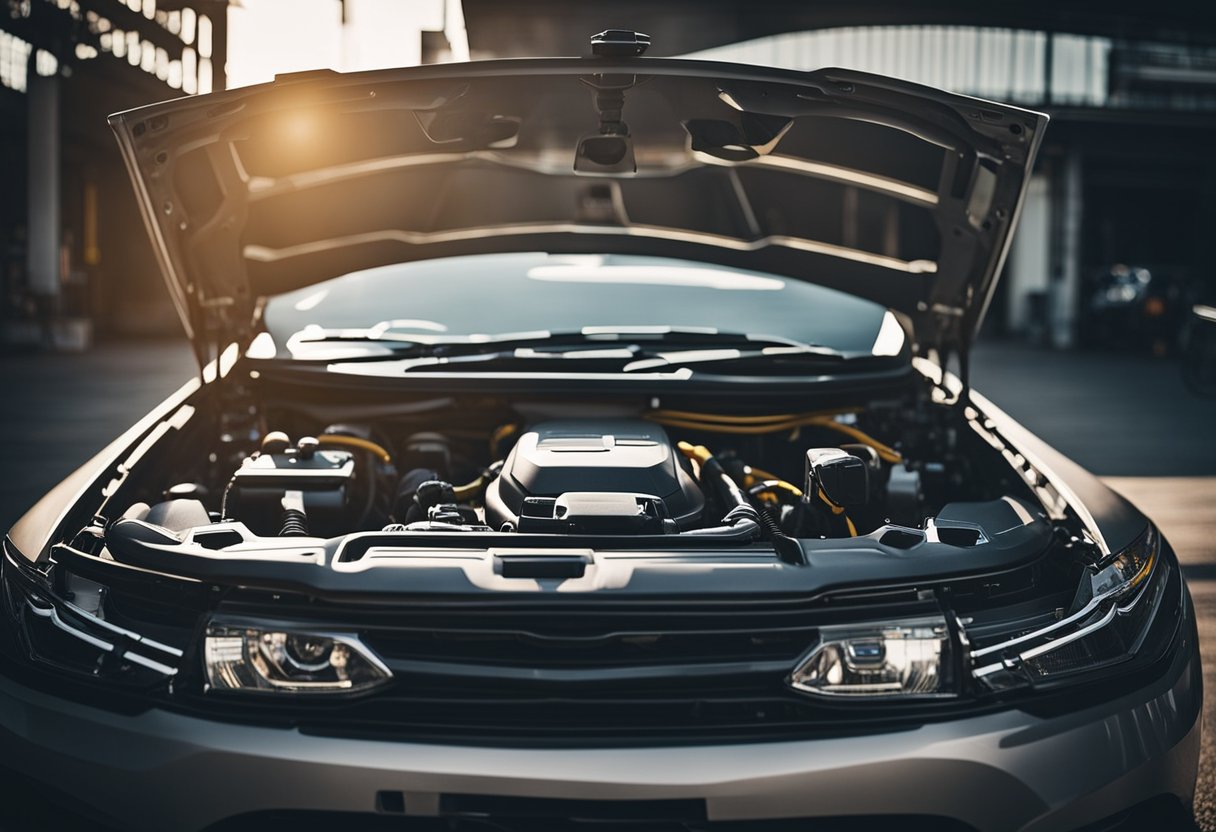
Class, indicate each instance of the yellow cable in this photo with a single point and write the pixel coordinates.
(355, 442)
(691, 421)
(886, 452)
(470, 490)
(698, 453)
(501, 433)
(754, 475)
(712, 427)
(747, 420)
(838, 510)
(835, 508)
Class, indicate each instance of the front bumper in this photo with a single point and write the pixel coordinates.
(164, 771)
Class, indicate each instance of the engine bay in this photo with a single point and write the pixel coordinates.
(554, 471)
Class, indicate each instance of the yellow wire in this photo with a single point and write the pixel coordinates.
(700, 453)
(714, 427)
(697, 453)
(835, 508)
(468, 491)
(355, 442)
(886, 452)
(748, 420)
(755, 475)
(838, 510)
(501, 433)
(772, 424)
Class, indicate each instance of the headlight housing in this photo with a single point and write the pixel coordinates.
(884, 659)
(1111, 617)
(70, 632)
(281, 658)
(1108, 623)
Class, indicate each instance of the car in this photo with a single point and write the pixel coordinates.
(1136, 307)
(590, 443)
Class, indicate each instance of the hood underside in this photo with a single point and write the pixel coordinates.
(884, 189)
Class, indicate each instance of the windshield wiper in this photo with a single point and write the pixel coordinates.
(593, 342)
(772, 355)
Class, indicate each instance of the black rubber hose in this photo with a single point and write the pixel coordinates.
(295, 524)
(770, 525)
(295, 521)
(743, 530)
(728, 491)
(789, 549)
(743, 512)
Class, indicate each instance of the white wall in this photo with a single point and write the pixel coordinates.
(1030, 254)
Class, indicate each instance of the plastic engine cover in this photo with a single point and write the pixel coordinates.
(621, 456)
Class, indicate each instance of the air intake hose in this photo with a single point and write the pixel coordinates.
(295, 520)
(742, 521)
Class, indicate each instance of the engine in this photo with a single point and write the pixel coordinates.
(294, 490)
(612, 476)
(595, 478)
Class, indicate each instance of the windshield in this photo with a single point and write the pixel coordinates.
(506, 293)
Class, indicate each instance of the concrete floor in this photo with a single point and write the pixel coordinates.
(57, 411)
(1127, 418)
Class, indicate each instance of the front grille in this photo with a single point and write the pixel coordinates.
(572, 641)
(589, 673)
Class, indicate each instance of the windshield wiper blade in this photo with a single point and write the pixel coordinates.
(635, 358)
(438, 345)
(771, 354)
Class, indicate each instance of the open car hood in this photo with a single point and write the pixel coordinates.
(888, 190)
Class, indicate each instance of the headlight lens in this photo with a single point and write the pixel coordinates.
(247, 657)
(1111, 619)
(879, 659)
(1127, 570)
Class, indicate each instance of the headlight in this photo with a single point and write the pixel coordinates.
(1113, 613)
(1128, 570)
(879, 659)
(241, 656)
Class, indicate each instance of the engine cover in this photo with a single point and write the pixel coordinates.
(620, 456)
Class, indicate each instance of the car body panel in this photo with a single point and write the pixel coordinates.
(1009, 770)
(889, 190)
